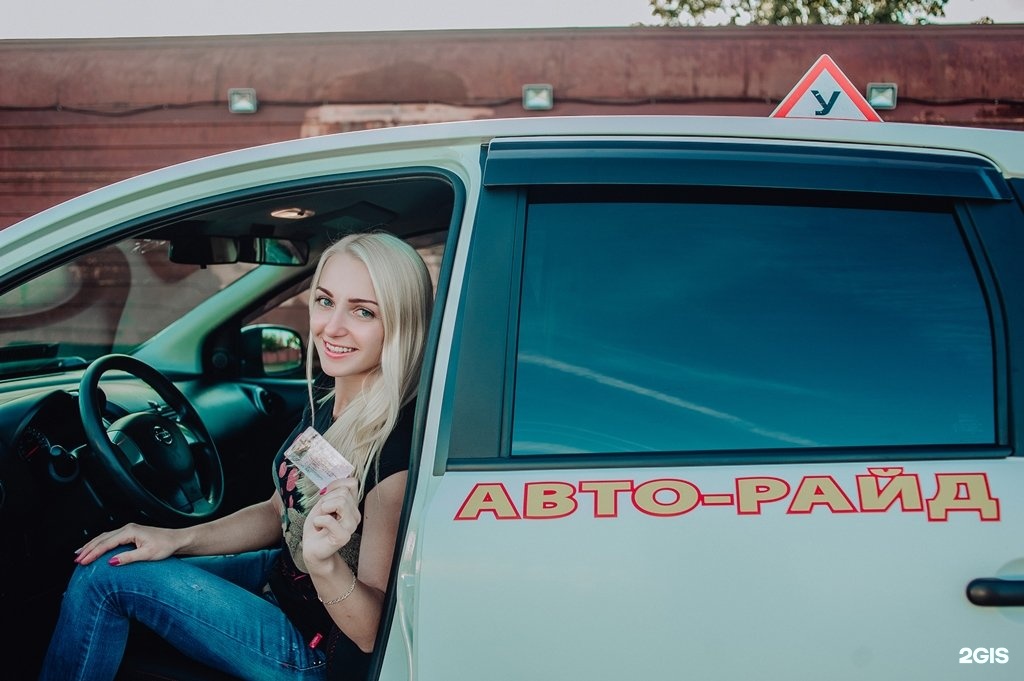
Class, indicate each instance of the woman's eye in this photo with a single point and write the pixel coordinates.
(363, 313)
(324, 301)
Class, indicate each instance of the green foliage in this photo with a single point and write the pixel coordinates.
(796, 12)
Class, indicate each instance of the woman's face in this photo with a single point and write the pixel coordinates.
(345, 320)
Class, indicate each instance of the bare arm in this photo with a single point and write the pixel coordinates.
(254, 527)
(248, 529)
(330, 525)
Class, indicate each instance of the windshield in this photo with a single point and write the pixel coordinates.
(110, 300)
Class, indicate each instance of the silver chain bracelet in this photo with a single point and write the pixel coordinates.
(342, 597)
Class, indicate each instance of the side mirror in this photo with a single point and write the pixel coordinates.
(274, 351)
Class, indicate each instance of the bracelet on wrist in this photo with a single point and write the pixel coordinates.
(342, 597)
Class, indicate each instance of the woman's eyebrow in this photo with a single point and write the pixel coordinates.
(362, 301)
(325, 291)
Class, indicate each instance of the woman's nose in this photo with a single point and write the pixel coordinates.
(337, 324)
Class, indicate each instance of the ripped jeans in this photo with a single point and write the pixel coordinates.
(210, 608)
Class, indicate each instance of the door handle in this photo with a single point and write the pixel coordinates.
(994, 592)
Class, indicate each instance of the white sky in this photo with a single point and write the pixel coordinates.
(120, 18)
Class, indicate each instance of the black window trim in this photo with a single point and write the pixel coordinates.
(742, 164)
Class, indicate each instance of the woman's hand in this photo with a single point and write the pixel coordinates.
(331, 522)
(151, 543)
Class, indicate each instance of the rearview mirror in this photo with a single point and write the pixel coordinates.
(221, 250)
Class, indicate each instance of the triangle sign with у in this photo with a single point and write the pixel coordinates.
(825, 92)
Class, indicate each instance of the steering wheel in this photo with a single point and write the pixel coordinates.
(165, 464)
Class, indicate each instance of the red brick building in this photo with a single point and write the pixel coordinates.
(79, 114)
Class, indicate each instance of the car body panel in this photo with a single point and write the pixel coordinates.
(844, 560)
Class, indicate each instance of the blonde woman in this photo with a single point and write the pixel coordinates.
(292, 587)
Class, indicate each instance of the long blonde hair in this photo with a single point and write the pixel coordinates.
(404, 294)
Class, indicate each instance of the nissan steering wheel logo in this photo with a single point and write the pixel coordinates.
(162, 435)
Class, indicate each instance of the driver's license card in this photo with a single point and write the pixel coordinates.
(317, 458)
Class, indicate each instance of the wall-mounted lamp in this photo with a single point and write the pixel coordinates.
(882, 95)
(242, 100)
(538, 97)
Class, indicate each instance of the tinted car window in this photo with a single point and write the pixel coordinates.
(690, 327)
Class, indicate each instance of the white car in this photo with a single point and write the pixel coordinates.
(719, 398)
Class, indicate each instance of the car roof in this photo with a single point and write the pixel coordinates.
(1003, 147)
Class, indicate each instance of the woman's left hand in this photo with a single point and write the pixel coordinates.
(331, 522)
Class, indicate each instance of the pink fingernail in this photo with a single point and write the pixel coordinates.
(114, 561)
(323, 491)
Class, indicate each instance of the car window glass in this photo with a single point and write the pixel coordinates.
(696, 327)
(109, 300)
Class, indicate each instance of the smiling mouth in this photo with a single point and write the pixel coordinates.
(337, 349)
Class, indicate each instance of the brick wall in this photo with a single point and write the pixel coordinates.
(79, 114)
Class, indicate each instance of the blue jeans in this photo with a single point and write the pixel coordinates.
(210, 608)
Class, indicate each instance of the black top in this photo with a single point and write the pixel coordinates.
(293, 588)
